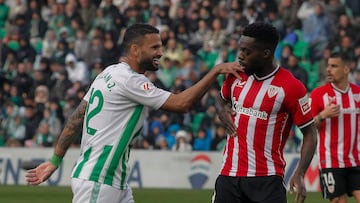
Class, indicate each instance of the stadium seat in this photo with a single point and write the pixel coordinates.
(301, 50)
(196, 121)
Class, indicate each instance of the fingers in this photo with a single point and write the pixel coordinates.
(32, 178)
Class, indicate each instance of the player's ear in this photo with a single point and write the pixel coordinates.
(267, 53)
(135, 49)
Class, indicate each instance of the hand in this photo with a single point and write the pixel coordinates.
(230, 68)
(225, 118)
(331, 110)
(297, 185)
(40, 174)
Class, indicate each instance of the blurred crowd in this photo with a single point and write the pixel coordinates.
(51, 50)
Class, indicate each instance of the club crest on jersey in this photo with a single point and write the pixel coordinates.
(272, 91)
(304, 104)
(145, 86)
(332, 100)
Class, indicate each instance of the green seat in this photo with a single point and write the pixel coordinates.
(196, 121)
(301, 49)
(2, 33)
(305, 64)
(14, 45)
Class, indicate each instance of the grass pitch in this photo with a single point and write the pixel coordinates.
(46, 194)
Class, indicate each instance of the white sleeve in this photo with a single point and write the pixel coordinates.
(142, 90)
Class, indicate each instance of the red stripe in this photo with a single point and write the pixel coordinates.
(228, 161)
(321, 146)
(201, 157)
(334, 145)
(243, 149)
(347, 131)
(355, 151)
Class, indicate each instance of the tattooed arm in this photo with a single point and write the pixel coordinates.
(71, 130)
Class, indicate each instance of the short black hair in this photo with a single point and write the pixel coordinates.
(345, 58)
(136, 32)
(264, 33)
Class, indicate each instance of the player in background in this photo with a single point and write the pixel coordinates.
(336, 109)
(258, 111)
(112, 114)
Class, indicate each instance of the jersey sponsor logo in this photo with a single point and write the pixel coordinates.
(272, 91)
(240, 83)
(304, 104)
(250, 112)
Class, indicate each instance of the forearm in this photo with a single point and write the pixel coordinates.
(308, 149)
(196, 92)
(71, 131)
(220, 103)
(183, 101)
(319, 118)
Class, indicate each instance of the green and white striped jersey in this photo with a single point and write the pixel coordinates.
(117, 101)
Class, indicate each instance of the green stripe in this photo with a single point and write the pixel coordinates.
(123, 143)
(124, 159)
(100, 163)
(95, 192)
(81, 164)
(123, 171)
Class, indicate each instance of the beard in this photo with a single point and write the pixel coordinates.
(148, 65)
(249, 71)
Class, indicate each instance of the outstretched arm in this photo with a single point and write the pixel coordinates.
(71, 130)
(307, 152)
(183, 101)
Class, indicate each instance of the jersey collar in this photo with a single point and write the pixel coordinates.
(269, 75)
(340, 90)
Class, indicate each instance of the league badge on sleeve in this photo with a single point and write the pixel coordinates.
(304, 104)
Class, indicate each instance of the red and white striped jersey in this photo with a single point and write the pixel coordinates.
(339, 137)
(265, 110)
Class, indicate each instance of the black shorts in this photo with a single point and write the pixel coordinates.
(335, 182)
(269, 189)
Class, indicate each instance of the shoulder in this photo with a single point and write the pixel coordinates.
(355, 88)
(321, 90)
(288, 80)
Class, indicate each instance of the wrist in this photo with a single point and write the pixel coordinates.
(56, 160)
(320, 118)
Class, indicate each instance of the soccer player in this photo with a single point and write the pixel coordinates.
(336, 109)
(111, 115)
(258, 111)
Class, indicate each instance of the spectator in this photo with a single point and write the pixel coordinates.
(32, 121)
(87, 12)
(182, 144)
(318, 31)
(76, 70)
(219, 141)
(49, 44)
(23, 81)
(202, 140)
(299, 72)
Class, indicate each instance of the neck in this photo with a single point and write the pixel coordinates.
(342, 85)
(132, 63)
(266, 71)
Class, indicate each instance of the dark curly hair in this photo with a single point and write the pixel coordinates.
(264, 33)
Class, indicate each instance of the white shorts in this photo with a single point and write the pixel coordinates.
(86, 191)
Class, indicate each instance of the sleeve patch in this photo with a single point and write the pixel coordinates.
(304, 104)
